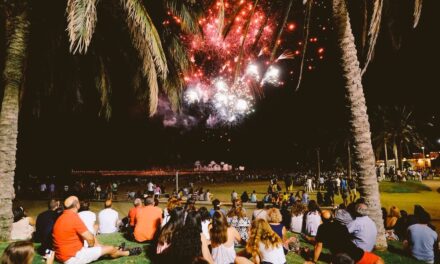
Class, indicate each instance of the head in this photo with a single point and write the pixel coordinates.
(219, 230)
(137, 202)
(361, 209)
(108, 203)
(149, 201)
(424, 218)
(20, 252)
(326, 216)
(216, 204)
(71, 203)
(394, 212)
(18, 213)
(204, 214)
(274, 216)
(313, 206)
(190, 205)
(298, 209)
(53, 204)
(193, 221)
(84, 206)
(260, 205)
(261, 232)
(403, 213)
(176, 222)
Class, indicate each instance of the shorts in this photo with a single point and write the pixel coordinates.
(368, 258)
(85, 255)
(353, 191)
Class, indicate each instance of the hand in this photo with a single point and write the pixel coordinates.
(50, 257)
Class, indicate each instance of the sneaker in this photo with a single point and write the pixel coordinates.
(135, 251)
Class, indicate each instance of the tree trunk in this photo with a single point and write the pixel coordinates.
(349, 160)
(386, 155)
(359, 124)
(319, 164)
(396, 155)
(13, 77)
(401, 155)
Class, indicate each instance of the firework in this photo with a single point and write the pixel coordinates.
(272, 76)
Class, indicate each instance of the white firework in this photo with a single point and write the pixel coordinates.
(272, 76)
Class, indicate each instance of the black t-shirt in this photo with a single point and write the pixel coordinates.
(336, 238)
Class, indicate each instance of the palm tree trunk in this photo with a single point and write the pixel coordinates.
(359, 124)
(349, 160)
(396, 155)
(13, 77)
(386, 155)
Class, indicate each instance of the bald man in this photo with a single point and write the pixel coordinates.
(69, 233)
(336, 238)
(108, 219)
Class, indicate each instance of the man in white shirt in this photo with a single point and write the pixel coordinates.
(108, 219)
(150, 187)
(88, 217)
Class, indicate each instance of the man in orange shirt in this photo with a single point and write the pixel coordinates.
(147, 221)
(137, 203)
(69, 233)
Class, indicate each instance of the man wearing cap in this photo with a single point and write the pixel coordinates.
(69, 233)
(336, 238)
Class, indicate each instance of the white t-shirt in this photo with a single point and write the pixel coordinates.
(274, 255)
(338, 182)
(205, 229)
(43, 187)
(150, 186)
(89, 219)
(108, 221)
(313, 220)
(22, 230)
(260, 214)
(296, 223)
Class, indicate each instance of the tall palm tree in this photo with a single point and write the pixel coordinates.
(17, 28)
(359, 124)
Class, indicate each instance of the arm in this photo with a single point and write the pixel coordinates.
(87, 236)
(236, 235)
(284, 232)
(205, 250)
(317, 252)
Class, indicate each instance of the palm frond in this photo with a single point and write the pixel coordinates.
(189, 17)
(173, 87)
(81, 22)
(153, 84)
(146, 39)
(178, 54)
(373, 32)
(417, 12)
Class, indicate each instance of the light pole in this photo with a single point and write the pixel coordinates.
(424, 164)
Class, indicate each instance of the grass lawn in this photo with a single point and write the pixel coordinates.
(394, 255)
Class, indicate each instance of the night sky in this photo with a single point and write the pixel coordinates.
(283, 132)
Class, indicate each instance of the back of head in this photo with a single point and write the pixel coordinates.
(261, 232)
(204, 213)
(219, 230)
(71, 202)
(137, 202)
(216, 204)
(149, 201)
(298, 209)
(361, 209)
(274, 215)
(260, 205)
(313, 206)
(424, 218)
(53, 204)
(193, 221)
(108, 203)
(20, 252)
(18, 213)
(394, 212)
(326, 216)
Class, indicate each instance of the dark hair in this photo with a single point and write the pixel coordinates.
(199, 260)
(204, 214)
(313, 206)
(424, 218)
(342, 258)
(187, 244)
(219, 230)
(174, 225)
(18, 213)
(84, 206)
(260, 205)
(403, 213)
(149, 201)
(20, 252)
(216, 204)
(52, 204)
(190, 205)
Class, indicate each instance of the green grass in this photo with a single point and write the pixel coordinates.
(406, 187)
(116, 239)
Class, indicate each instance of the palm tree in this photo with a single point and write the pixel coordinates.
(17, 31)
(359, 124)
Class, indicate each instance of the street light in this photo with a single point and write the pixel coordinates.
(423, 149)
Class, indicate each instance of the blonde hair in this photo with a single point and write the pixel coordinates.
(261, 232)
(173, 203)
(394, 212)
(20, 252)
(274, 215)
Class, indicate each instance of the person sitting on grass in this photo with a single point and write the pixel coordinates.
(422, 241)
(189, 243)
(336, 238)
(260, 213)
(312, 220)
(264, 244)
(108, 219)
(147, 221)
(206, 222)
(44, 226)
(362, 229)
(22, 252)
(23, 226)
(69, 233)
(174, 225)
(216, 207)
(88, 217)
(238, 219)
(274, 219)
(223, 238)
(137, 203)
(296, 222)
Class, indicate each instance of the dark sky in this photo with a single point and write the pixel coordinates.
(283, 131)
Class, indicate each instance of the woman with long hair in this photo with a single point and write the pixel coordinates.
(23, 226)
(297, 217)
(22, 252)
(174, 225)
(190, 243)
(264, 244)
